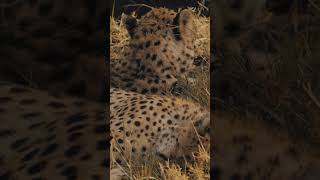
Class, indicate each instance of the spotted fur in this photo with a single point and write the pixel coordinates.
(151, 124)
(161, 49)
(47, 137)
(47, 46)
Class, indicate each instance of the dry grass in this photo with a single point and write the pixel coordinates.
(196, 88)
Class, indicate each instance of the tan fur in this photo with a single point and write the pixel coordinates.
(160, 50)
(166, 126)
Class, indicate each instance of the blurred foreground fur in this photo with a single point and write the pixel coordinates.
(196, 88)
(274, 72)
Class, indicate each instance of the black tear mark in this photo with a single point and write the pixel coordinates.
(175, 30)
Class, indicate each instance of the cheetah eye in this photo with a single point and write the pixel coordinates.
(198, 123)
(207, 130)
(130, 23)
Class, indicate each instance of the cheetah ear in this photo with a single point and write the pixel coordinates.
(184, 22)
(130, 23)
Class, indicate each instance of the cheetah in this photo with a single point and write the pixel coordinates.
(70, 137)
(52, 137)
(47, 46)
(164, 126)
(241, 33)
(161, 49)
(247, 148)
(49, 137)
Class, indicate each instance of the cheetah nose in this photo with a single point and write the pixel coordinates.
(174, 85)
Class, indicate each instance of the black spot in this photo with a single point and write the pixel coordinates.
(74, 136)
(157, 43)
(56, 105)
(137, 123)
(18, 143)
(72, 151)
(144, 91)
(27, 101)
(169, 121)
(120, 141)
(143, 102)
(144, 31)
(31, 115)
(77, 127)
(160, 63)
(144, 149)
(128, 85)
(37, 167)
(76, 118)
(30, 155)
(154, 90)
(50, 149)
(148, 44)
(71, 172)
(154, 57)
(60, 165)
(32, 126)
(7, 132)
(184, 22)
(86, 157)
(140, 46)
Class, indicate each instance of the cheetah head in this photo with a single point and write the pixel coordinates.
(163, 40)
(233, 17)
